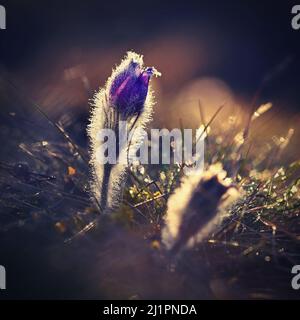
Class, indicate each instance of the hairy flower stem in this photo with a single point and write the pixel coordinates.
(105, 183)
(108, 167)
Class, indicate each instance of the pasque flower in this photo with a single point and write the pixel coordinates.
(194, 208)
(128, 86)
(126, 97)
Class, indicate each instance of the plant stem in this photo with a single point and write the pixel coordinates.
(105, 185)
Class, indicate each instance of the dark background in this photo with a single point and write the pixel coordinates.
(241, 40)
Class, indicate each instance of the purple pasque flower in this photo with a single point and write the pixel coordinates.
(129, 86)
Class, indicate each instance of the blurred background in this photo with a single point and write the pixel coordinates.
(60, 52)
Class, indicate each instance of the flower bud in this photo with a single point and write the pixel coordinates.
(129, 85)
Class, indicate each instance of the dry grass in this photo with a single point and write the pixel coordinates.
(49, 223)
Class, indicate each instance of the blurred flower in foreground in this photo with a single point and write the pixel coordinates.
(196, 207)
